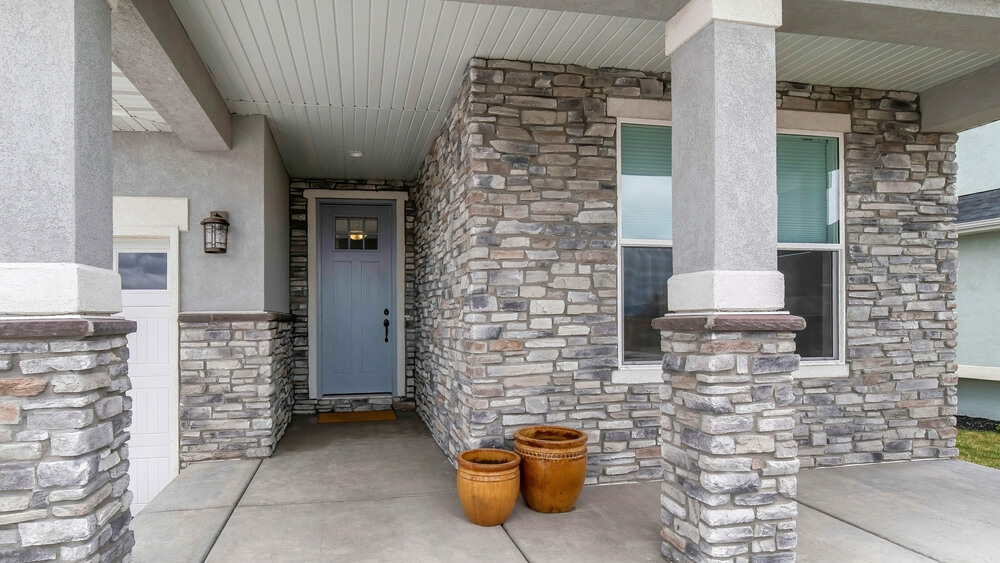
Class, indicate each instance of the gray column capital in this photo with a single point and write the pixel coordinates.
(696, 15)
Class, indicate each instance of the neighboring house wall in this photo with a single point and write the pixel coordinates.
(979, 299)
(517, 274)
(977, 155)
(235, 364)
(298, 288)
(245, 181)
(979, 307)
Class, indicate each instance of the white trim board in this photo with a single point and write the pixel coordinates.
(984, 373)
(975, 227)
(314, 197)
(160, 218)
(661, 111)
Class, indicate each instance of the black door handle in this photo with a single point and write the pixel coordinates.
(385, 323)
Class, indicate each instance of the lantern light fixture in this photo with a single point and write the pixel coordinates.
(216, 227)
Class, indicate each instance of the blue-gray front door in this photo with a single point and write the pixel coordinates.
(357, 344)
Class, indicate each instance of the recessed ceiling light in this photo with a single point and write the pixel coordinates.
(355, 154)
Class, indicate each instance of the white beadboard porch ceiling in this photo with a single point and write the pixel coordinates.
(130, 111)
(379, 75)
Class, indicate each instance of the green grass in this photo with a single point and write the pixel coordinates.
(982, 448)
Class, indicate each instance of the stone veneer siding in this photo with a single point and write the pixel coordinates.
(517, 266)
(63, 440)
(299, 280)
(516, 274)
(901, 249)
(236, 384)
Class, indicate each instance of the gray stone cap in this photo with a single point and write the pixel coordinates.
(758, 322)
(63, 327)
(234, 317)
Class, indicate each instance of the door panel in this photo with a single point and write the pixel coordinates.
(142, 265)
(357, 294)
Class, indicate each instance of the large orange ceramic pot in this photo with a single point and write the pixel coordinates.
(488, 481)
(553, 466)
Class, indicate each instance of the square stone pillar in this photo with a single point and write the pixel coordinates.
(63, 373)
(729, 452)
(729, 456)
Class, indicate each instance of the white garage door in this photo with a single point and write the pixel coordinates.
(147, 300)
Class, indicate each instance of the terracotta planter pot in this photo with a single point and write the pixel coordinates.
(488, 481)
(553, 466)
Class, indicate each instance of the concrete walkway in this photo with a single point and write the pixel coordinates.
(383, 491)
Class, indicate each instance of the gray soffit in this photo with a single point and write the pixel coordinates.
(130, 111)
(966, 25)
(379, 75)
(979, 206)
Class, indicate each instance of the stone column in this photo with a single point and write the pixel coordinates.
(728, 447)
(63, 372)
(729, 452)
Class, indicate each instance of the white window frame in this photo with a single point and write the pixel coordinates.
(810, 368)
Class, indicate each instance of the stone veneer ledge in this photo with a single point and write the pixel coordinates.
(236, 384)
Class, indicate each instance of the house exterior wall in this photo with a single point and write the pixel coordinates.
(980, 312)
(299, 295)
(244, 181)
(517, 272)
(977, 300)
(518, 312)
(899, 399)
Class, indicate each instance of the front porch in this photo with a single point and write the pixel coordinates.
(383, 491)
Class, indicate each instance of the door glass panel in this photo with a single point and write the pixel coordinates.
(355, 233)
(143, 270)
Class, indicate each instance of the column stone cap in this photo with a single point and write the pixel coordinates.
(766, 322)
(63, 327)
(234, 317)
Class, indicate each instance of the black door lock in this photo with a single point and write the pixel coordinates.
(385, 323)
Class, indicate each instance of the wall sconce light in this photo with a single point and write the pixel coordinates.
(216, 227)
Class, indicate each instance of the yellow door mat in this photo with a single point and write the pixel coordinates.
(366, 416)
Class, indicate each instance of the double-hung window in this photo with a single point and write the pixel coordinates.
(809, 249)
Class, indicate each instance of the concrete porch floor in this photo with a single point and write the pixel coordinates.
(383, 491)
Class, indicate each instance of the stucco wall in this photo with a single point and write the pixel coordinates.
(978, 305)
(249, 182)
(979, 157)
(276, 229)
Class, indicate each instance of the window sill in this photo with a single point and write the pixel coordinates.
(637, 375)
(821, 371)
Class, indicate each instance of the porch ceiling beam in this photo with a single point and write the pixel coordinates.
(965, 25)
(963, 103)
(151, 47)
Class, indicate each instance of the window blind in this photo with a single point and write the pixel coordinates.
(804, 166)
(645, 150)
